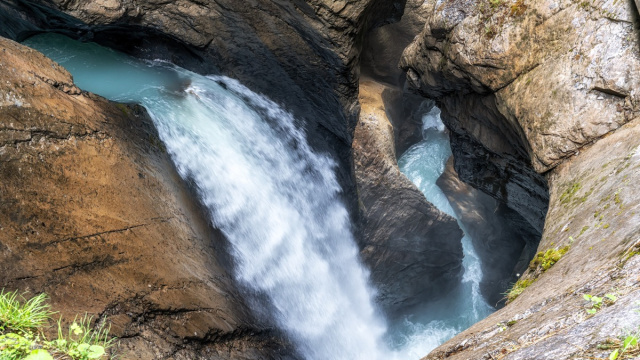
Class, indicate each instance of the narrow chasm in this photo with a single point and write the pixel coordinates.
(498, 239)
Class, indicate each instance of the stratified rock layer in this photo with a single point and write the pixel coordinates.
(412, 248)
(93, 213)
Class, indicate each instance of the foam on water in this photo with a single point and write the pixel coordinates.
(276, 201)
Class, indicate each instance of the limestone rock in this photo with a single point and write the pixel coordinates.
(412, 248)
(536, 92)
(93, 213)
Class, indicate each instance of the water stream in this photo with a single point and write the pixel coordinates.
(276, 201)
(437, 322)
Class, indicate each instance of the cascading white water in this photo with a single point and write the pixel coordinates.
(423, 164)
(274, 199)
(278, 204)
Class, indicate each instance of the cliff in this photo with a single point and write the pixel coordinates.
(539, 93)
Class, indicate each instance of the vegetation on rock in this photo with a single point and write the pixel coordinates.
(21, 332)
(545, 260)
(518, 288)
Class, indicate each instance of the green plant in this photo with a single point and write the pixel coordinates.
(628, 346)
(595, 302)
(21, 347)
(19, 317)
(82, 342)
(20, 333)
(518, 288)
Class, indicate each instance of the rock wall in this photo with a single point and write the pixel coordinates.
(537, 93)
(412, 248)
(93, 213)
(593, 212)
(504, 240)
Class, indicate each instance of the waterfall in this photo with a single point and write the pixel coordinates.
(275, 200)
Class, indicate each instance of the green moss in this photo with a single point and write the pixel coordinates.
(606, 226)
(545, 260)
(518, 8)
(617, 198)
(123, 108)
(568, 194)
(586, 196)
(518, 288)
(584, 229)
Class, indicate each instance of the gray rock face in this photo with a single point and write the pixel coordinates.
(529, 90)
(412, 248)
(383, 46)
(594, 212)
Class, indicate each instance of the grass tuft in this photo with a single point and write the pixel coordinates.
(18, 317)
(22, 322)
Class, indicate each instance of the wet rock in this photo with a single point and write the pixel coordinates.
(383, 46)
(93, 213)
(303, 54)
(501, 237)
(412, 248)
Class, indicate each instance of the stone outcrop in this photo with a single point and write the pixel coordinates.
(412, 248)
(538, 92)
(93, 213)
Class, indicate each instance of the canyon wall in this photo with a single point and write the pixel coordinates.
(412, 248)
(544, 95)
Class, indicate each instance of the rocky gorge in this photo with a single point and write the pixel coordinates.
(539, 99)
